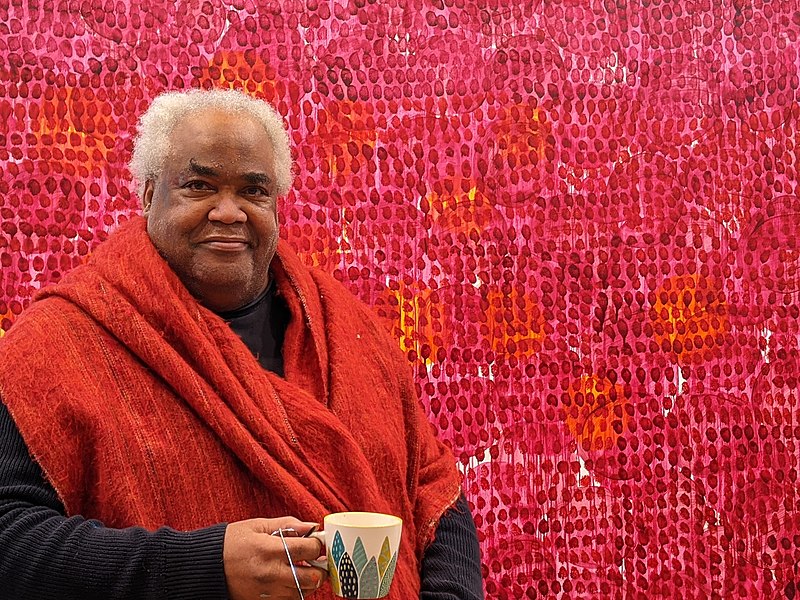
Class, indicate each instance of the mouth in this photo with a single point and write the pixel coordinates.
(223, 244)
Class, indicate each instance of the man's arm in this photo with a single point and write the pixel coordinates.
(451, 565)
(45, 555)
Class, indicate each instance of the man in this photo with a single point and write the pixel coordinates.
(170, 402)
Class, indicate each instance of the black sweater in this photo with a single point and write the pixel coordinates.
(45, 555)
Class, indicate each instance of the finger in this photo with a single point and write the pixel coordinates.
(310, 528)
(287, 522)
(320, 537)
(303, 549)
(291, 526)
(311, 578)
(269, 526)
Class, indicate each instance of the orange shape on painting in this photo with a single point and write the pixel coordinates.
(6, 319)
(419, 331)
(515, 321)
(345, 137)
(458, 206)
(595, 413)
(689, 316)
(523, 134)
(240, 70)
(412, 320)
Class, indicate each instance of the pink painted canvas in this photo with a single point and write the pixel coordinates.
(580, 218)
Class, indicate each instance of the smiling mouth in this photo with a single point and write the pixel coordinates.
(223, 245)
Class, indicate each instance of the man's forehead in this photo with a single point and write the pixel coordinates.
(214, 139)
(218, 128)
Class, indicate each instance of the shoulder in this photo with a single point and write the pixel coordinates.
(41, 323)
(346, 316)
(337, 294)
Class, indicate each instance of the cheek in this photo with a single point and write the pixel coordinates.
(178, 218)
(268, 227)
(268, 239)
(155, 228)
(165, 231)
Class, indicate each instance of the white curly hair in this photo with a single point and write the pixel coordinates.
(152, 146)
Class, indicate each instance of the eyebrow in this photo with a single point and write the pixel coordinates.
(252, 178)
(199, 169)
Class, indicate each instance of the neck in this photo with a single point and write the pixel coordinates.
(222, 301)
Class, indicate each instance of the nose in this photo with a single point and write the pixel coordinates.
(226, 209)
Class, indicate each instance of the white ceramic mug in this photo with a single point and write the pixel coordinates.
(362, 551)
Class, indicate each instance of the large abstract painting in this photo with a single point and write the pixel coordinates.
(580, 218)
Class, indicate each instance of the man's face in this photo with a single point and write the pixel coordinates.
(212, 212)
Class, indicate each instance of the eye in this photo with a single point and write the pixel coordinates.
(196, 185)
(255, 191)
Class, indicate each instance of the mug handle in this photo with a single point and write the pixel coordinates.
(323, 563)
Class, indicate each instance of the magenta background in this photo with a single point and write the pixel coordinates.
(581, 219)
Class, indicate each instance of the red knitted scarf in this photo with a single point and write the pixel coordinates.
(144, 408)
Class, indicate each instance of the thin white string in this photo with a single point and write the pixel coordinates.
(291, 564)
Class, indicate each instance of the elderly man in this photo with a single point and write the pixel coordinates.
(170, 403)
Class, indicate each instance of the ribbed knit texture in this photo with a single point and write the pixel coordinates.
(451, 567)
(342, 432)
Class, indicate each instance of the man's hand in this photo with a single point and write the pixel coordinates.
(255, 561)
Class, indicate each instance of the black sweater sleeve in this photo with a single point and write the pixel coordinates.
(451, 566)
(46, 556)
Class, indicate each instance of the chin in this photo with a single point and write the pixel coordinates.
(228, 281)
(224, 297)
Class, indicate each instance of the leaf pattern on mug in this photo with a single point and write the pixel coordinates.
(387, 577)
(384, 557)
(348, 577)
(359, 555)
(337, 549)
(368, 581)
(333, 573)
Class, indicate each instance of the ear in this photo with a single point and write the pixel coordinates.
(147, 197)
